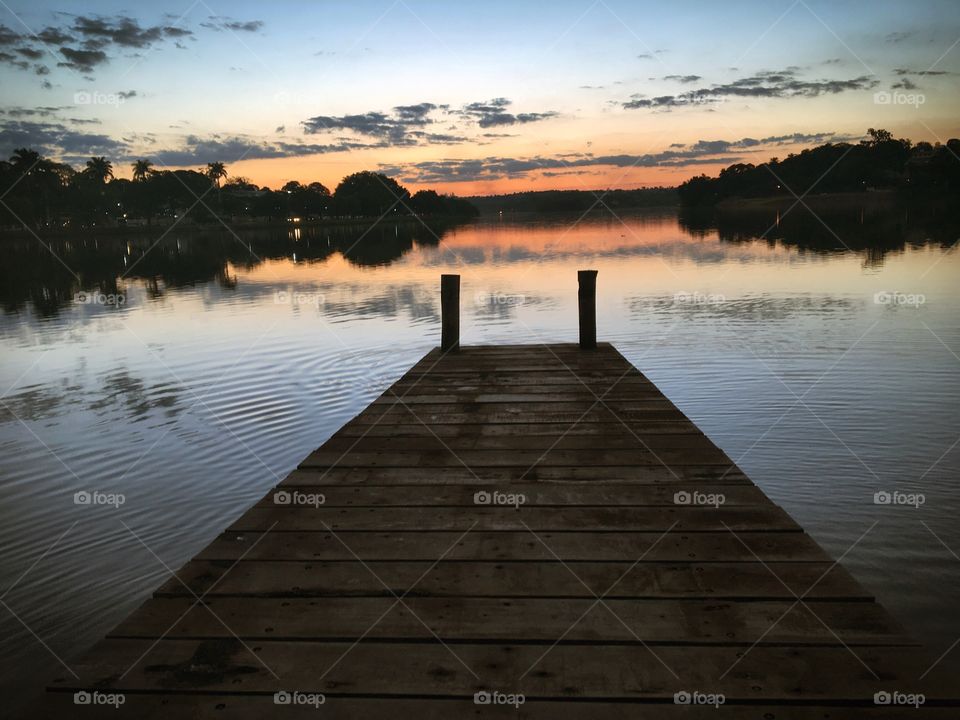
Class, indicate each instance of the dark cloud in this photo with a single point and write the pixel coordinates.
(127, 94)
(905, 84)
(176, 32)
(8, 36)
(898, 37)
(87, 41)
(56, 139)
(678, 155)
(494, 113)
(31, 53)
(41, 111)
(10, 59)
(197, 150)
(54, 36)
(920, 73)
(122, 30)
(767, 84)
(82, 60)
(684, 78)
(220, 22)
(401, 127)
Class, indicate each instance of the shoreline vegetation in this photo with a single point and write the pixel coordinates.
(871, 175)
(880, 174)
(46, 197)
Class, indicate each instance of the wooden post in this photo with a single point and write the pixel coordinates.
(449, 312)
(587, 296)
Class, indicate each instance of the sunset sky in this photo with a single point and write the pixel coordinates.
(500, 97)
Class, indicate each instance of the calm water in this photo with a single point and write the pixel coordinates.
(230, 360)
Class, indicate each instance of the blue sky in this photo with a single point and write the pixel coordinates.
(498, 95)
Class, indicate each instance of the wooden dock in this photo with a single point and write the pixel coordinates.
(506, 524)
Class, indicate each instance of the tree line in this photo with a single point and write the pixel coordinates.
(42, 193)
(879, 162)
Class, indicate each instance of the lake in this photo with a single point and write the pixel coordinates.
(181, 379)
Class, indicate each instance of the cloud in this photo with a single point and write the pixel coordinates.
(56, 139)
(31, 53)
(8, 36)
(920, 73)
(82, 60)
(9, 59)
(703, 152)
(122, 30)
(898, 37)
(88, 41)
(41, 111)
(766, 84)
(683, 78)
(221, 22)
(403, 126)
(494, 113)
(54, 36)
(127, 94)
(196, 150)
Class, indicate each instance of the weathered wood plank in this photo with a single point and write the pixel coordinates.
(554, 431)
(534, 494)
(429, 441)
(155, 706)
(517, 458)
(504, 620)
(517, 546)
(764, 673)
(717, 581)
(641, 474)
(676, 518)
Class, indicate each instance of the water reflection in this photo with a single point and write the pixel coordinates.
(49, 279)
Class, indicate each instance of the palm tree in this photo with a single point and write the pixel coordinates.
(24, 160)
(141, 169)
(216, 171)
(99, 169)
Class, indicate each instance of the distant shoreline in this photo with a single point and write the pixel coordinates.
(216, 227)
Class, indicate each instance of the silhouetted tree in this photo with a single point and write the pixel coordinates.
(141, 169)
(216, 171)
(368, 193)
(99, 169)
